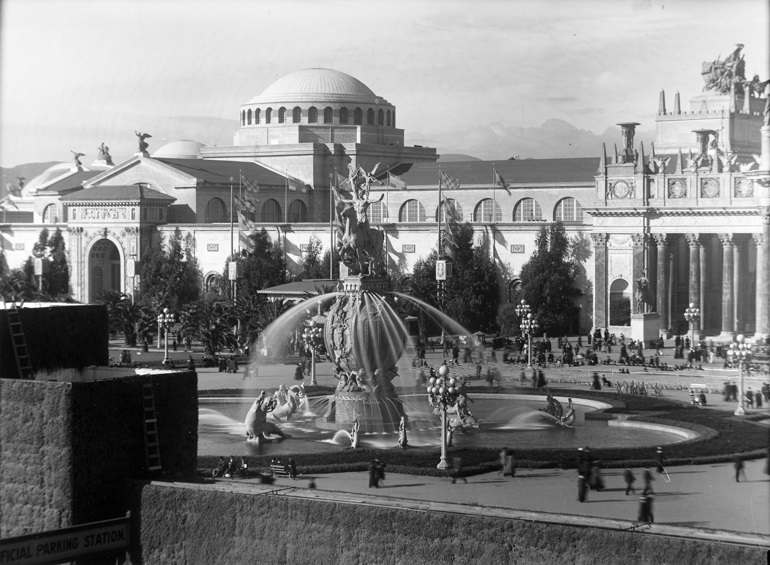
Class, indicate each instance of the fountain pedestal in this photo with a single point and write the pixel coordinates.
(374, 413)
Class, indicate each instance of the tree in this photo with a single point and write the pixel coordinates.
(169, 275)
(312, 265)
(263, 268)
(508, 319)
(548, 281)
(55, 278)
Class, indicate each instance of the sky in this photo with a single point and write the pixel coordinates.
(489, 78)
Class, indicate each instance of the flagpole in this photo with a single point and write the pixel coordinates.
(440, 255)
(232, 244)
(286, 199)
(240, 199)
(494, 194)
(331, 225)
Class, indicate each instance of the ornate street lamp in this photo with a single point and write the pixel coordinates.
(528, 326)
(740, 352)
(443, 394)
(313, 336)
(165, 321)
(692, 315)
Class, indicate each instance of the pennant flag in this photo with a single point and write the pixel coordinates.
(245, 228)
(251, 188)
(396, 182)
(449, 182)
(451, 211)
(501, 181)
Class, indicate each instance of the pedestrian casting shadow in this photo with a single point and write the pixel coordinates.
(400, 485)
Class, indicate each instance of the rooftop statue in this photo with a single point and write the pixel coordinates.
(720, 76)
(143, 145)
(104, 154)
(77, 157)
(361, 246)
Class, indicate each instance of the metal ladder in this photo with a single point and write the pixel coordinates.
(19, 342)
(151, 442)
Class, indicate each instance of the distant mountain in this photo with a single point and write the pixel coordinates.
(28, 171)
(451, 157)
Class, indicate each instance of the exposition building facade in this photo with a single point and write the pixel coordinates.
(689, 214)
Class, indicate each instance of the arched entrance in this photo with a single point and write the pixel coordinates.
(104, 269)
(620, 303)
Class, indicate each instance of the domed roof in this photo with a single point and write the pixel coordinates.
(52, 173)
(183, 149)
(313, 85)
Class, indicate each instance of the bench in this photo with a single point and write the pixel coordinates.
(279, 471)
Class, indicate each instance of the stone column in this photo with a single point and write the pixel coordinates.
(702, 269)
(661, 286)
(694, 286)
(728, 290)
(761, 324)
(637, 268)
(600, 280)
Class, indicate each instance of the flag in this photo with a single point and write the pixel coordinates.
(501, 181)
(396, 182)
(245, 228)
(251, 188)
(449, 182)
(295, 185)
(451, 211)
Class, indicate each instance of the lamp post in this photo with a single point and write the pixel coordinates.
(165, 321)
(443, 394)
(313, 336)
(740, 352)
(692, 315)
(528, 326)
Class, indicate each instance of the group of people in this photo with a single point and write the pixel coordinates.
(230, 469)
(639, 387)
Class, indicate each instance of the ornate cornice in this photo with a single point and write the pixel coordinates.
(651, 211)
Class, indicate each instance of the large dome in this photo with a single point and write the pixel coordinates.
(183, 149)
(316, 85)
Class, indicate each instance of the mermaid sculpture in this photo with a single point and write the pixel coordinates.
(257, 426)
(288, 402)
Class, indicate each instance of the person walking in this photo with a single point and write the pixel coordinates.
(660, 458)
(628, 476)
(645, 509)
(648, 478)
(374, 474)
(457, 468)
(739, 468)
(291, 467)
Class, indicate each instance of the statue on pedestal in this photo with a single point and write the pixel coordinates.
(77, 157)
(643, 294)
(104, 154)
(143, 145)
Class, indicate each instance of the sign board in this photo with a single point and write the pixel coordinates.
(408, 248)
(212, 247)
(235, 271)
(443, 270)
(41, 267)
(517, 249)
(66, 544)
(132, 268)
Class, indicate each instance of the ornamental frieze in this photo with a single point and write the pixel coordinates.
(709, 188)
(744, 188)
(104, 214)
(677, 188)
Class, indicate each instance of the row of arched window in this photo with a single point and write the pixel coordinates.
(380, 117)
(487, 210)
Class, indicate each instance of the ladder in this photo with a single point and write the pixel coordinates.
(19, 342)
(151, 443)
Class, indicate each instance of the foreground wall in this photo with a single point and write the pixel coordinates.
(185, 525)
(68, 450)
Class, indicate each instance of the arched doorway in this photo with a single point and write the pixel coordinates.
(620, 303)
(104, 268)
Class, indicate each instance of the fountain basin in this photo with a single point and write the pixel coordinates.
(374, 413)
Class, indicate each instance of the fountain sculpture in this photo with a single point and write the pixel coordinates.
(364, 335)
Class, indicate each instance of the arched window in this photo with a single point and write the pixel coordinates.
(312, 115)
(388, 118)
(271, 211)
(568, 210)
(281, 115)
(358, 116)
(268, 115)
(248, 117)
(527, 210)
(50, 214)
(215, 212)
(487, 211)
(296, 115)
(378, 213)
(620, 303)
(243, 117)
(411, 211)
(381, 118)
(370, 117)
(394, 117)
(256, 115)
(455, 205)
(297, 212)
(328, 115)
(343, 115)
(211, 281)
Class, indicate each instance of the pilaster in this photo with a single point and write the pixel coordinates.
(728, 290)
(693, 240)
(661, 282)
(601, 297)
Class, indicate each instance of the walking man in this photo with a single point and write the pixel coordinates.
(629, 477)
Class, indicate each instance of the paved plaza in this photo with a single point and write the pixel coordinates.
(696, 501)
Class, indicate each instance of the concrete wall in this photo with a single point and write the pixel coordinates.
(189, 525)
(67, 449)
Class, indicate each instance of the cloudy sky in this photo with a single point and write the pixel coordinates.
(491, 78)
